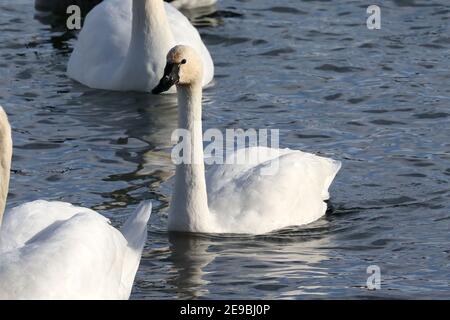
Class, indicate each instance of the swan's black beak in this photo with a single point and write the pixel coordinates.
(171, 77)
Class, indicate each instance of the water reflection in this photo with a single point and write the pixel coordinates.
(209, 16)
(143, 124)
(189, 255)
(288, 261)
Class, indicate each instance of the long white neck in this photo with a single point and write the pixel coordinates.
(189, 205)
(151, 39)
(150, 23)
(5, 160)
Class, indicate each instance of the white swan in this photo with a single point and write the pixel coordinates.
(238, 198)
(54, 250)
(60, 6)
(123, 44)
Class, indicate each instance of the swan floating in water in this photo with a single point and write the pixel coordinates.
(54, 250)
(238, 198)
(123, 45)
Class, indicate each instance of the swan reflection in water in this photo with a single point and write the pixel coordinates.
(190, 257)
(203, 265)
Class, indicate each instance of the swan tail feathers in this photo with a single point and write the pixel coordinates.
(333, 168)
(135, 232)
(135, 228)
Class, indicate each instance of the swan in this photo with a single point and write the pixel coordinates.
(123, 44)
(60, 6)
(238, 198)
(54, 250)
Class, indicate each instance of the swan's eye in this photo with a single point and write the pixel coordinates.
(183, 61)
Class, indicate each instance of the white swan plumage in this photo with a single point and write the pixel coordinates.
(54, 250)
(238, 198)
(123, 43)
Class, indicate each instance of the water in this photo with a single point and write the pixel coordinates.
(377, 100)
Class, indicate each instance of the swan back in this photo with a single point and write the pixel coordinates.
(282, 188)
(5, 160)
(71, 259)
(102, 44)
(53, 250)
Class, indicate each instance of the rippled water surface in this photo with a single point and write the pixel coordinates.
(376, 100)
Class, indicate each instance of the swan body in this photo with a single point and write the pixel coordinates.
(54, 250)
(239, 198)
(242, 198)
(123, 44)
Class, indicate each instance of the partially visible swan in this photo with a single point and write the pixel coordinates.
(60, 6)
(123, 44)
(238, 198)
(54, 250)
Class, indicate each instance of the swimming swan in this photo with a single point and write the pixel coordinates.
(54, 250)
(242, 198)
(123, 45)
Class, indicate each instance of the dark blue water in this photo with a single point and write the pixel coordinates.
(376, 100)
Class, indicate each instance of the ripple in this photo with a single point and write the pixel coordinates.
(357, 100)
(385, 122)
(270, 287)
(333, 97)
(368, 45)
(278, 52)
(227, 41)
(432, 46)
(432, 115)
(39, 146)
(334, 68)
(413, 175)
(312, 136)
(288, 10)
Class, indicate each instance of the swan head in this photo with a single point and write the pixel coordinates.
(183, 68)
